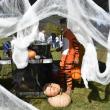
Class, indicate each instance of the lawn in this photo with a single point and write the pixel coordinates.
(82, 99)
(97, 97)
(5, 70)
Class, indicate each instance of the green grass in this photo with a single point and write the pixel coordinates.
(56, 55)
(80, 101)
(5, 70)
(97, 97)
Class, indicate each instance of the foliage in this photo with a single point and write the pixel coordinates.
(52, 28)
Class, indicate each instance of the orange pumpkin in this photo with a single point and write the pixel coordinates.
(76, 73)
(51, 89)
(31, 54)
(61, 100)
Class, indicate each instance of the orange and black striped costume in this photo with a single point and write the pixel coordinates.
(70, 54)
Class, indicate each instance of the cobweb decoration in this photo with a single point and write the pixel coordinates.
(87, 21)
(11, 11)
(80, 15)
(8, 101)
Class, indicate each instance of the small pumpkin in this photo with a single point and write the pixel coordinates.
(51, 89)
(31, 54)
(76, 73)
(61, 100)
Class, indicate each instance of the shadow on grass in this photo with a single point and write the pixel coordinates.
(95, 96)
(107, 93)
(56, 62)
(1, 48)
(7, 83)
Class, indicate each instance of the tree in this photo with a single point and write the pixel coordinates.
(52, 28)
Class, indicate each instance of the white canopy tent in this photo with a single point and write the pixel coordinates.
(85, 18)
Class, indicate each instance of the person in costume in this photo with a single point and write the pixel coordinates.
(70, 56)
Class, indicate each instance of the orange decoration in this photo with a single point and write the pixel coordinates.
(76, 73)
(31, 54)
(51, 89)
(61, 100)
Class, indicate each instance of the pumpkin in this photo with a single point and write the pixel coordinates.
(51, 89)
(61, 100)
(76, 73)
(31, 54)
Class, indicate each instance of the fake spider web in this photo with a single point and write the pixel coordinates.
(87, 21)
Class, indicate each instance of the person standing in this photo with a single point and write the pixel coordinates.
(70, 56)
(57, 42)
(41, 36)
(7, 48)
(53, 40)
(49, 40)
